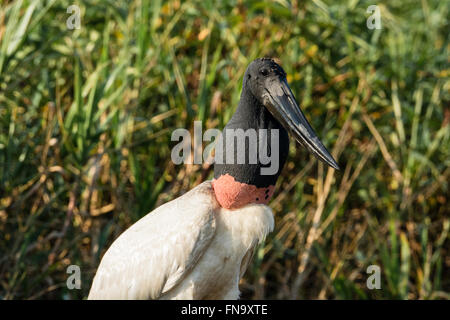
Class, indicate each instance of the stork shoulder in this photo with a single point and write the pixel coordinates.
(158, 251)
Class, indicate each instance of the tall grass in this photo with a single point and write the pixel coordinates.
(86, 117)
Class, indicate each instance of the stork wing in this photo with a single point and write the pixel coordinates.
(247, 258)
(157, 252)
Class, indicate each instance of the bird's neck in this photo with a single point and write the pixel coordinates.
(237, 183)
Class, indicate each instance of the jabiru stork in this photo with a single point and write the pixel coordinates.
(199, 245)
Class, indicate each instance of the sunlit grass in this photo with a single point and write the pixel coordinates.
(86, 118)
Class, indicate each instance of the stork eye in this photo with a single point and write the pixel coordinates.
(264, 72)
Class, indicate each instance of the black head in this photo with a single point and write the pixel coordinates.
(259, 74)
(267, 82)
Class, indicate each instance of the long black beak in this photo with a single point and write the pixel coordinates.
(285, 109)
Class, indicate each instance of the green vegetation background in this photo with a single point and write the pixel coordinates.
(86, 118)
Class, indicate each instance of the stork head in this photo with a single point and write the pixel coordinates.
(267, 82)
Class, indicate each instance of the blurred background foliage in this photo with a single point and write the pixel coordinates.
(86, 117)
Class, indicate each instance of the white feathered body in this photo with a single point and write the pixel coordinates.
(188, 248)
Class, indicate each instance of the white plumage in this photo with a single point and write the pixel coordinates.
(188, 248)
